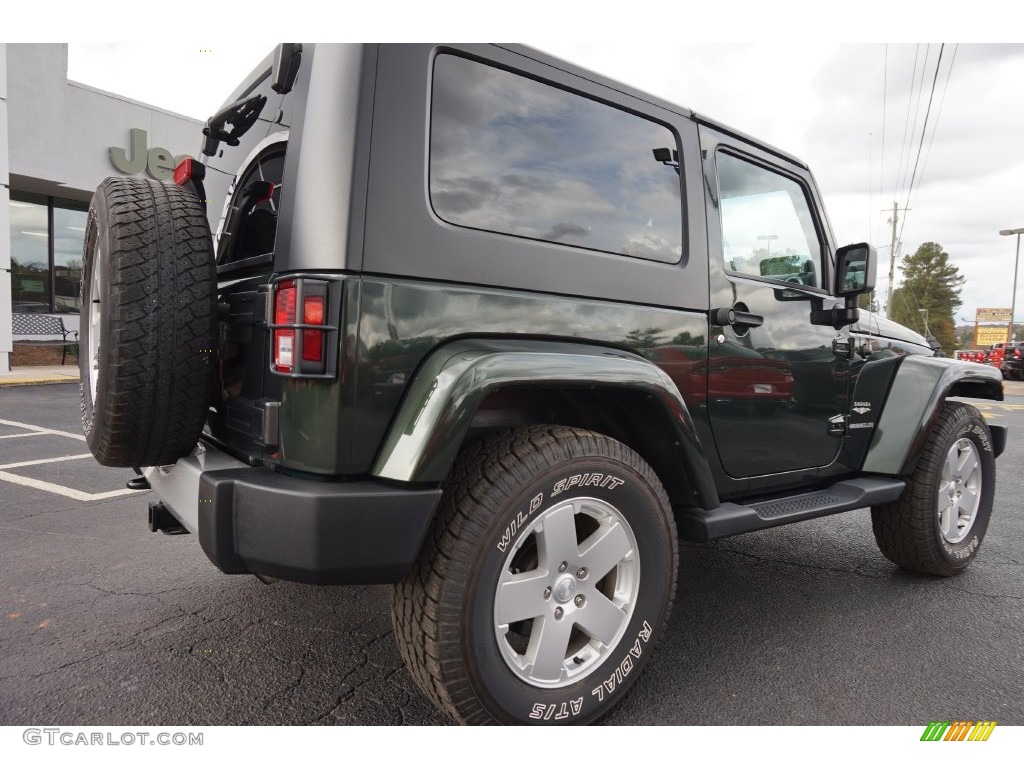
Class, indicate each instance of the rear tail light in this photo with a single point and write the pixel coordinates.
(313, 341)
(187, 170)
(284, 314)
(303, 343)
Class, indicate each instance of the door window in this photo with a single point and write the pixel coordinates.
(767, 227)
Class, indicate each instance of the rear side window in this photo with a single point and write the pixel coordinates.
(249, 226)
(517, 157)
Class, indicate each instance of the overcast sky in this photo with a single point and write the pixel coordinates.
(822, 103)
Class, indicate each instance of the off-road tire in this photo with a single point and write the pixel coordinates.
(148, 335)
(444, 612)
(908, 530)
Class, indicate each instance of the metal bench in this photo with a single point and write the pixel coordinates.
(24, 324)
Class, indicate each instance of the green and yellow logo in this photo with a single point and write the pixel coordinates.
(958, 730)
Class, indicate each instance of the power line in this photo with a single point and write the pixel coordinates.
(871, 194)
(920, 144)
(885, 98)
(917, 112)
(906, 124)
(938, 114)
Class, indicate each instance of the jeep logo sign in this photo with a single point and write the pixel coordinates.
(158, 162)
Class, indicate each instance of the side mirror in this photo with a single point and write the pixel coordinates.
(855, 274)
(855, 270)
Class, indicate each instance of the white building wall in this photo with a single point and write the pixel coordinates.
(5, 237)
(61, 131)
(55, 139)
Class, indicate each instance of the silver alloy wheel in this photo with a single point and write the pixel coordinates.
(566, 592)
(95, 316)
(959, 491)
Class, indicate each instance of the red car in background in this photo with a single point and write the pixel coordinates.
(1009, 358)
(971, 355)
(731, 374)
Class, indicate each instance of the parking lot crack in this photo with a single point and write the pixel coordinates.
(975, 593)
(282, 693)
(362, 652)
(759, 559)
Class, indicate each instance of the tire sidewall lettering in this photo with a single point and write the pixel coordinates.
(580, 481)
(496, 684)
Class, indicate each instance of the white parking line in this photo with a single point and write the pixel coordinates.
(71, 493)
(41, 430)
(43, 485)
(45, 461)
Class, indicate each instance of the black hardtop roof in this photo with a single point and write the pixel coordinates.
(262, 70)
(608, 82)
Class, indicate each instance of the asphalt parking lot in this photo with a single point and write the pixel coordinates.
(104, 623)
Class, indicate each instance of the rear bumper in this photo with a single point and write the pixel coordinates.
(253, 520)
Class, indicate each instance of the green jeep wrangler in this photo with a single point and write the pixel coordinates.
(500, 331)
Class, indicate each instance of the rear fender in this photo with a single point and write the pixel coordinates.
(450, 385)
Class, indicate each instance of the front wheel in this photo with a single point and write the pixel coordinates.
(937, 525)
(549, 573)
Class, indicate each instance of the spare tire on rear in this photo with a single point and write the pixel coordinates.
(148, 324)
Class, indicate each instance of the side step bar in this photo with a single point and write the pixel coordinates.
(730, 519)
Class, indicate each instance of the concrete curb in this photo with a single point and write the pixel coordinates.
(28, 382)
(39, 374)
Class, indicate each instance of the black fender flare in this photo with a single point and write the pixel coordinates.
(451, 383)
(918, 392)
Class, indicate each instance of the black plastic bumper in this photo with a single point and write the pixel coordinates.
(365, 532)
(998, 439)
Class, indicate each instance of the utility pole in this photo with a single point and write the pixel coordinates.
(1016, 262)
(892, 256)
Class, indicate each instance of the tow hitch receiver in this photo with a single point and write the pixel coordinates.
(161, 519)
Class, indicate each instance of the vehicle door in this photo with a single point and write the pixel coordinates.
(773, 378)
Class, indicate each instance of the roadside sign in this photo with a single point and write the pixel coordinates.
(992, 334)
(993, 315)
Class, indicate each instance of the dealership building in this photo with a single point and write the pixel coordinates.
(58, 140)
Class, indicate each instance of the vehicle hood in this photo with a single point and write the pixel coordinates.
(875, 325)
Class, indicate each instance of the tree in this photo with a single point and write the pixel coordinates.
(930, 282)
(648, 338)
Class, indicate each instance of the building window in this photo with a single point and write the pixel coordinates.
(68, 237)
(47, 235)
(30, 254)
(518, 157)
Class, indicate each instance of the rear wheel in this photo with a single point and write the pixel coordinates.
(148, 327)
(549, 573)
(938, 524)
